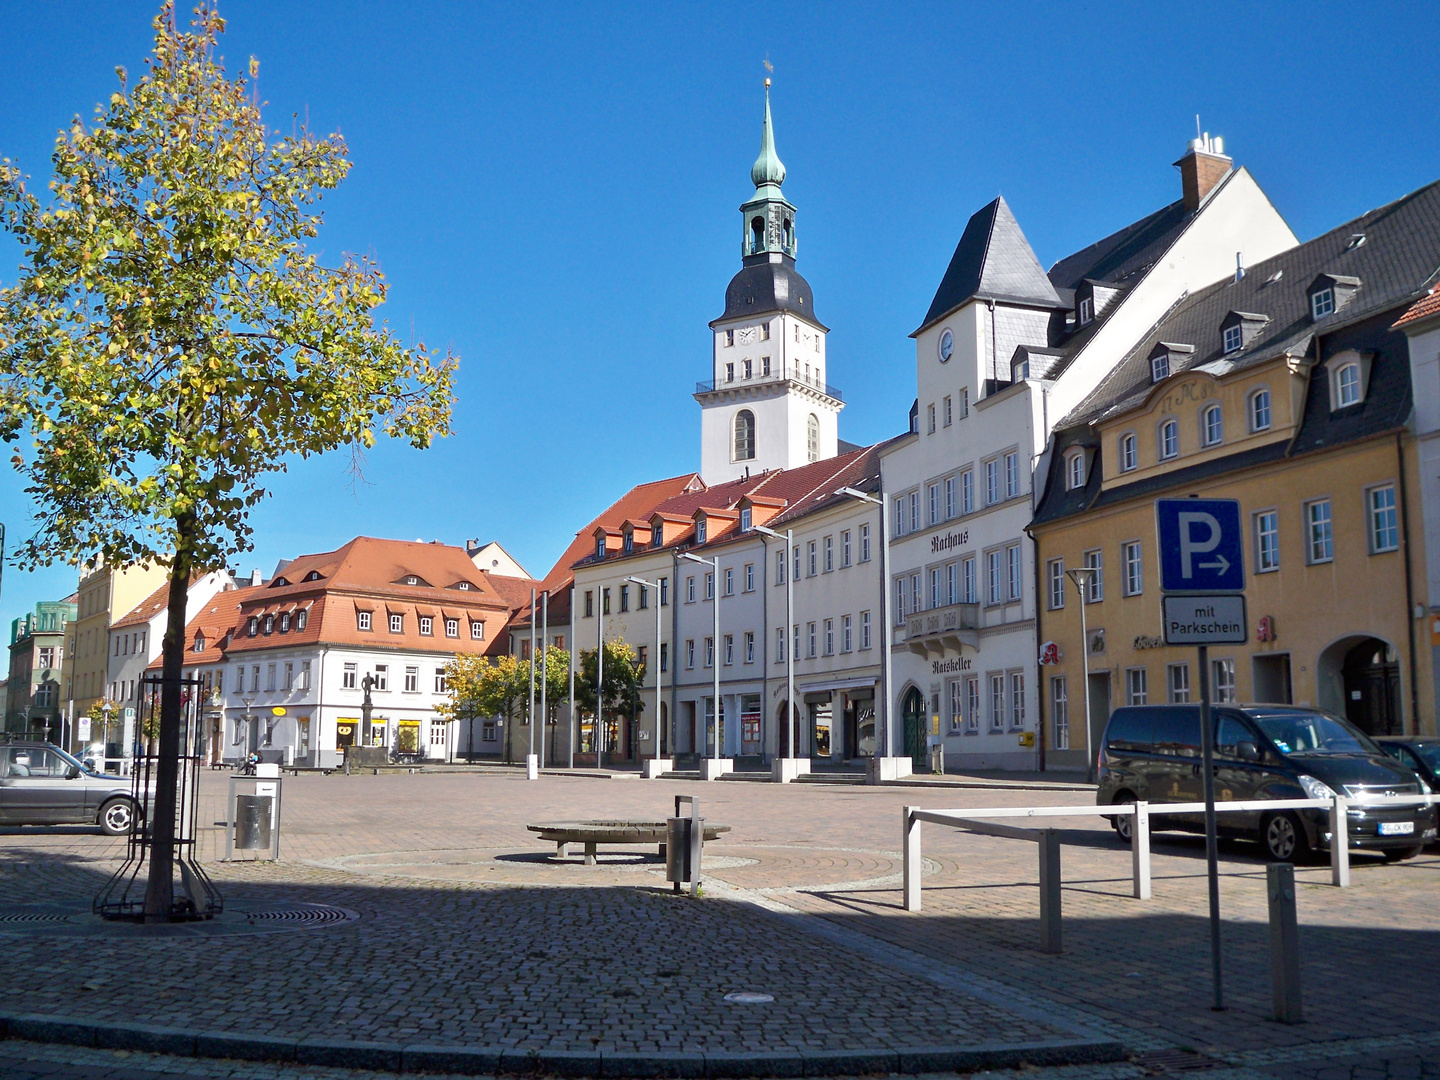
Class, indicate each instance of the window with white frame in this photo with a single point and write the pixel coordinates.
(949, 497)
(1075, 470)
(362, 620)
(992, 482)
(1267, 541)
(1347, 385)
(915, 597)
(967, 580)
(1127, 452)
(1012, 474)
(844, 548)
(937, 584)
(709, 652)
(899, 525)
(477, 630)
(1169, 439)
(779, 644)
(1178, 677)
(847, 634)
(930, 410)
(1260, 410)
(972, 704)
(729, 583)
(749, 646)
(997, 702)
(1223, 673)
(812, 557)
(899, 601)
(1134, 569)
(994, 577)
(689, 652)
(1137, 686)
(1017, 700)
(1384, 534)
(304, 683)
(1055, 583)
(810, 638)
(949, 410)
(1086, 310)
(441, 686)
(1015, 572)
(864, 629)
(709, 586)
(932, 492)
(382, 676)
(1159, 366)
(1322, 303)
(829, 637)
(914, 510)
(1321, 544)
(865, 543)
(749, 582)
(1094, 560)
(348, 677)
(964, 402)
(780, 566)
(952, 583)
(412, 680)
(397, 623)
(967, 491)
(955, 693)
(829, 548)
(1212, 426)
(729, 649)
(427, 625)
(1059, 712)
(1234, 337)
(269, 677)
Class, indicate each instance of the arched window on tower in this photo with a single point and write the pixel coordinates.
(744, 435)
(789, 234)
(812, 437)
(757, 234)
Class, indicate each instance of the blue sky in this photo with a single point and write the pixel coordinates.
(553, 191)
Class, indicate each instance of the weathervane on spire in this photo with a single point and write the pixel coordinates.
(768, 67)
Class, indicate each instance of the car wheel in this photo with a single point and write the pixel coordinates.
(117, 817)
(1400, 854)
(1124, 824)
(1283, 838)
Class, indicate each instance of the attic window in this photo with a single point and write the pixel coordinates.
(278, 583)
(269, 624)
(1075, 471)
(657, 536)
(1322, 303)
(301, 618)
(1233, 338)
(1159, 366)
(1349, 376)
(465, 585)
(1020, 370)
(599, 547)
(745, 519)
(285, 623)
(253, 627)
(313, 575)
(700, 530)
(629, 541)
(199, 643)
(1086, 314)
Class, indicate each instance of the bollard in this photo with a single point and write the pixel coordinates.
(1049, 891)
(910, 838)
(1340, 843)
(1284, 943)
(1140, 850)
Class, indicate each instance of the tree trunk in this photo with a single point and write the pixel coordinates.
(160, 886)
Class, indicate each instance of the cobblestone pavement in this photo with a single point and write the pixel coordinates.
(472, 933)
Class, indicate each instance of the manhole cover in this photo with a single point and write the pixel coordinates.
(1176, 1060)
(307, 915)
(748, 997)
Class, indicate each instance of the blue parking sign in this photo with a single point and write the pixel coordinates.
(1202, 546)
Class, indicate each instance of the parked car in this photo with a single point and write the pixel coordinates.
(1152, 753)
(1418, 752)
(40, 784)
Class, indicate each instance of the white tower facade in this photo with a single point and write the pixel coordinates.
(767, 404)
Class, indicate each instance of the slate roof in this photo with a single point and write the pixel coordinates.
(1396, 262)
(765, 288)
(993, 261)
(1126, 253)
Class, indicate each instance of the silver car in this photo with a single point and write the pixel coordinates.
(40, 784)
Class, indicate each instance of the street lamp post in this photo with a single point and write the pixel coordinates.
(889, 765)
(532, 771)
(657, 765)
(1082, 579)
(713, 767)
(574, 721)
(783, 770)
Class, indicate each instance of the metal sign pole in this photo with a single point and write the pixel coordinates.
(1207, 765)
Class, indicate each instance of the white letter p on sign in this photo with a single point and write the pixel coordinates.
(1189, 545)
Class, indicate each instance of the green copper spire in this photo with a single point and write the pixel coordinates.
(768, 169)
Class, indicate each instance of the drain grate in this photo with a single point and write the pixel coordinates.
(307, 915)
(34, 917)
(1175, 1060)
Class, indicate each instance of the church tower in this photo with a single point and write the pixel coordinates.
(767, 405)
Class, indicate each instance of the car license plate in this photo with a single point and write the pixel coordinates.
(1397, 828)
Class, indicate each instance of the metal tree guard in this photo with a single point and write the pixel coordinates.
(196, 897)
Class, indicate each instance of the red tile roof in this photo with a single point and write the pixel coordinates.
(215, 621)
(1423, 308)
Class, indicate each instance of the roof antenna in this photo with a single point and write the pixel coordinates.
(1197, 125)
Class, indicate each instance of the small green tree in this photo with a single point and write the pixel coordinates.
(485, 686)
(622, 679)
(172, 340)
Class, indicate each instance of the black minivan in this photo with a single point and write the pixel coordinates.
(1152, 752)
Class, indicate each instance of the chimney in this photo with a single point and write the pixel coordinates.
(1203, 166)
(255, 578)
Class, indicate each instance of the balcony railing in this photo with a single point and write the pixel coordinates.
(765, 380)
(939, 628)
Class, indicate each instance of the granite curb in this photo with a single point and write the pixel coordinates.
(512, 1061)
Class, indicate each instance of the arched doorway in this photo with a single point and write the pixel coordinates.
(913, 712)
(1359, 678)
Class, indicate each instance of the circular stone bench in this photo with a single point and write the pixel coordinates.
(590, 833)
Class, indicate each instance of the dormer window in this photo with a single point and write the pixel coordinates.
(1330, 293)
(301, 618)
(1239, 329)
(1233, 338)
(1020, 370)
(313, 575)
(254, 625)
(1165, 359)
(199, 643)
(464, 586)
(1159, 367)
(1322, 303)
(269, 624)
(599, 547)
(411, 579)
(629, 544)
(745, 519)
(700, 530)
(362, 620)
(279, 583)
(1075, 471)
(1085, 314)
(657, 535)
(1349, 376)
(285, 622)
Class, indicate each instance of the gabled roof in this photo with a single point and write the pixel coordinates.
(215, 621)
(993, 261)
(1124, 254)
(1398, 261)
(153, 604)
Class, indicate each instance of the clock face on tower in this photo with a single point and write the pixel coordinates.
(947, 345)
(746, 335)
